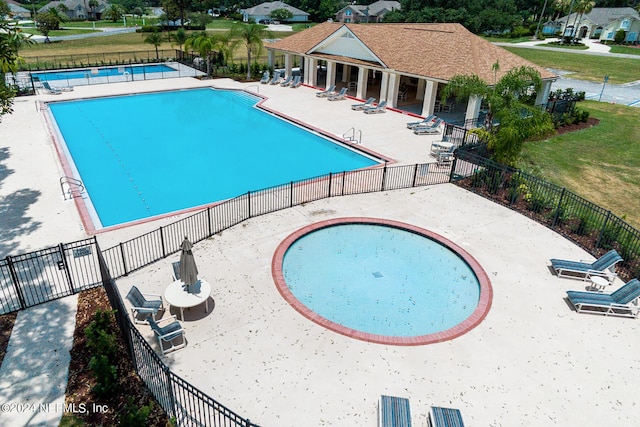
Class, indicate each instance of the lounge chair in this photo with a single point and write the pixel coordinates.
(168, 333)
(445, 417)
(367, 104)
(297, 81)
(176, 270)
(51, 90)
(265, 78)
(603, 267)
(380, 108)
(328, 92)
(340, 95)
(394, 412)
(432, 128)
(618, 303)
(142, 305)
(426, 121)
(275, 79)
(287, 81)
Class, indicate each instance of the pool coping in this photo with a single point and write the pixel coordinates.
(478, 315)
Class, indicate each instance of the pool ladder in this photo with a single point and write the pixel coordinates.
(353, 135)
(71, 187)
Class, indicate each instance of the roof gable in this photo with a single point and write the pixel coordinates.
(344, 43)
(601, 15)
(267, 7)
(436, 51)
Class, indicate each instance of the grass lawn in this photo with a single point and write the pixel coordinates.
(602, 163)
(61, 32)
(585, 67)
(626, 49)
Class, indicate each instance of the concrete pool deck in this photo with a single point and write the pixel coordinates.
(532, 361)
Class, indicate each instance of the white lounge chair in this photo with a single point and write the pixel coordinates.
(297, 81)
(265, 78)
(287, 81)
(340, 95)
(166, 334)
(619, 303)
(380, 108)
(51, 90)
(425, 122)
(275, 79)
(431, 128)
(603, 267)
(394, 412)
(325, 93)
(445, 417)
(368, 103)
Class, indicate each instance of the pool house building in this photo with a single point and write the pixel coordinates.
(406, 65)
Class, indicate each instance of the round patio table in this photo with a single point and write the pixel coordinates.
(177, 296)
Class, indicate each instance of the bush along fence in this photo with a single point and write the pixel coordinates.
(592, 227)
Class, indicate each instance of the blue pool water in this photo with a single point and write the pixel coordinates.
(101, 72)
(381, 280)
(150, 154)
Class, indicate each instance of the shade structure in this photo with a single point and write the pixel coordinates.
(188, 269)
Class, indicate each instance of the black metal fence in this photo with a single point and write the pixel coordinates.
(592, 227)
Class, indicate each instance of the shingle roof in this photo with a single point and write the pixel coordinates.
(436, 51)
(375, 8)
(602, 15)
(264, 9)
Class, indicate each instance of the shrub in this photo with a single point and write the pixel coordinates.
(100, 339)
(134, 416)
(105, 374)
(620, 35)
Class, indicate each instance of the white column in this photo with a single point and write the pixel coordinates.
(331, 74)
(346, 72)
(420, 89)
(384, 85)
(271, 56)
(362, 82)
(392, 91)
(311, 72)
(543, 93)
(430, 94)
(288, 60)
(307, 65)
(473, 108)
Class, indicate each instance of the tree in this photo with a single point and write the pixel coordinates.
(251, 35)
(11, 39)
(281, 14)
(204, 45)
(507, 101)
(180, 37)
(154, 38)
(182, 6)
(582, 7)
(92, 5)
(115, 13)
(47, 21)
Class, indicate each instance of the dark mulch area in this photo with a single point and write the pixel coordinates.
(6, 326)
(591, 121)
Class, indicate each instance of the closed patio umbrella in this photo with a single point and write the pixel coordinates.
(188, 269)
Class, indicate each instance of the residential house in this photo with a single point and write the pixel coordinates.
(601, 23)
(78, 9)
(263, 12)
(366, 13)
(17, 11)
(386, 61)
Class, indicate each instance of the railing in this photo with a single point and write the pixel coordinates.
(71, 187)
(350, 135)
(590, 226)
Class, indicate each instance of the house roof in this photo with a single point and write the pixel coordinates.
(374, 8)
(436, 51)
(16, 7)
(601, 15)
(74, 5)
(264, 9)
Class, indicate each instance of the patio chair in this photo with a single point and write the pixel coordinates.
(142, 305)
(445, 157)
(603, 267)
(328, 92)
(431, 128)
(445, 417)
(287, 81)
(426, 121)
(394, 412)
(265, 78)
(339, 96)
(176, 270)
(380, 108)
(275, 79)
(168, 333)
(297, 81)
(49, 89)
(618, 303)
(367, 104)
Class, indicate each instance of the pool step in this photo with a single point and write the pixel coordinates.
(239, 97)
(71, 187)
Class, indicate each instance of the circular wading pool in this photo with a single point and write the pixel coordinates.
(382, 281)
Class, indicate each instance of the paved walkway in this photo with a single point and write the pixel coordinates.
(34, 372)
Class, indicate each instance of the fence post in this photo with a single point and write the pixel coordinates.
(415, 175)
(16, 283)
(604, 227)
(330, 176)
(209, 234)
(291, 194)
(453, 168)
(342, 190)
(249, 203)
(164, 252)
(65, 265)
(124, 262)
(384, 176)
(557, 215)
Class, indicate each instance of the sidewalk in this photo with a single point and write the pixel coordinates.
(35, 369)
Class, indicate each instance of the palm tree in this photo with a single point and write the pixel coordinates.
(93, 4)
(227, 45)
(582, 7)
(180, 37)
(251, 35)
(154, 38)
(204, 45)
(518, 119)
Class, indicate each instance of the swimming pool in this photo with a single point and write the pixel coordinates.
(382, 281)
(145, 155)
(98, 72)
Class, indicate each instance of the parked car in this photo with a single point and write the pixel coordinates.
(265, 21)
